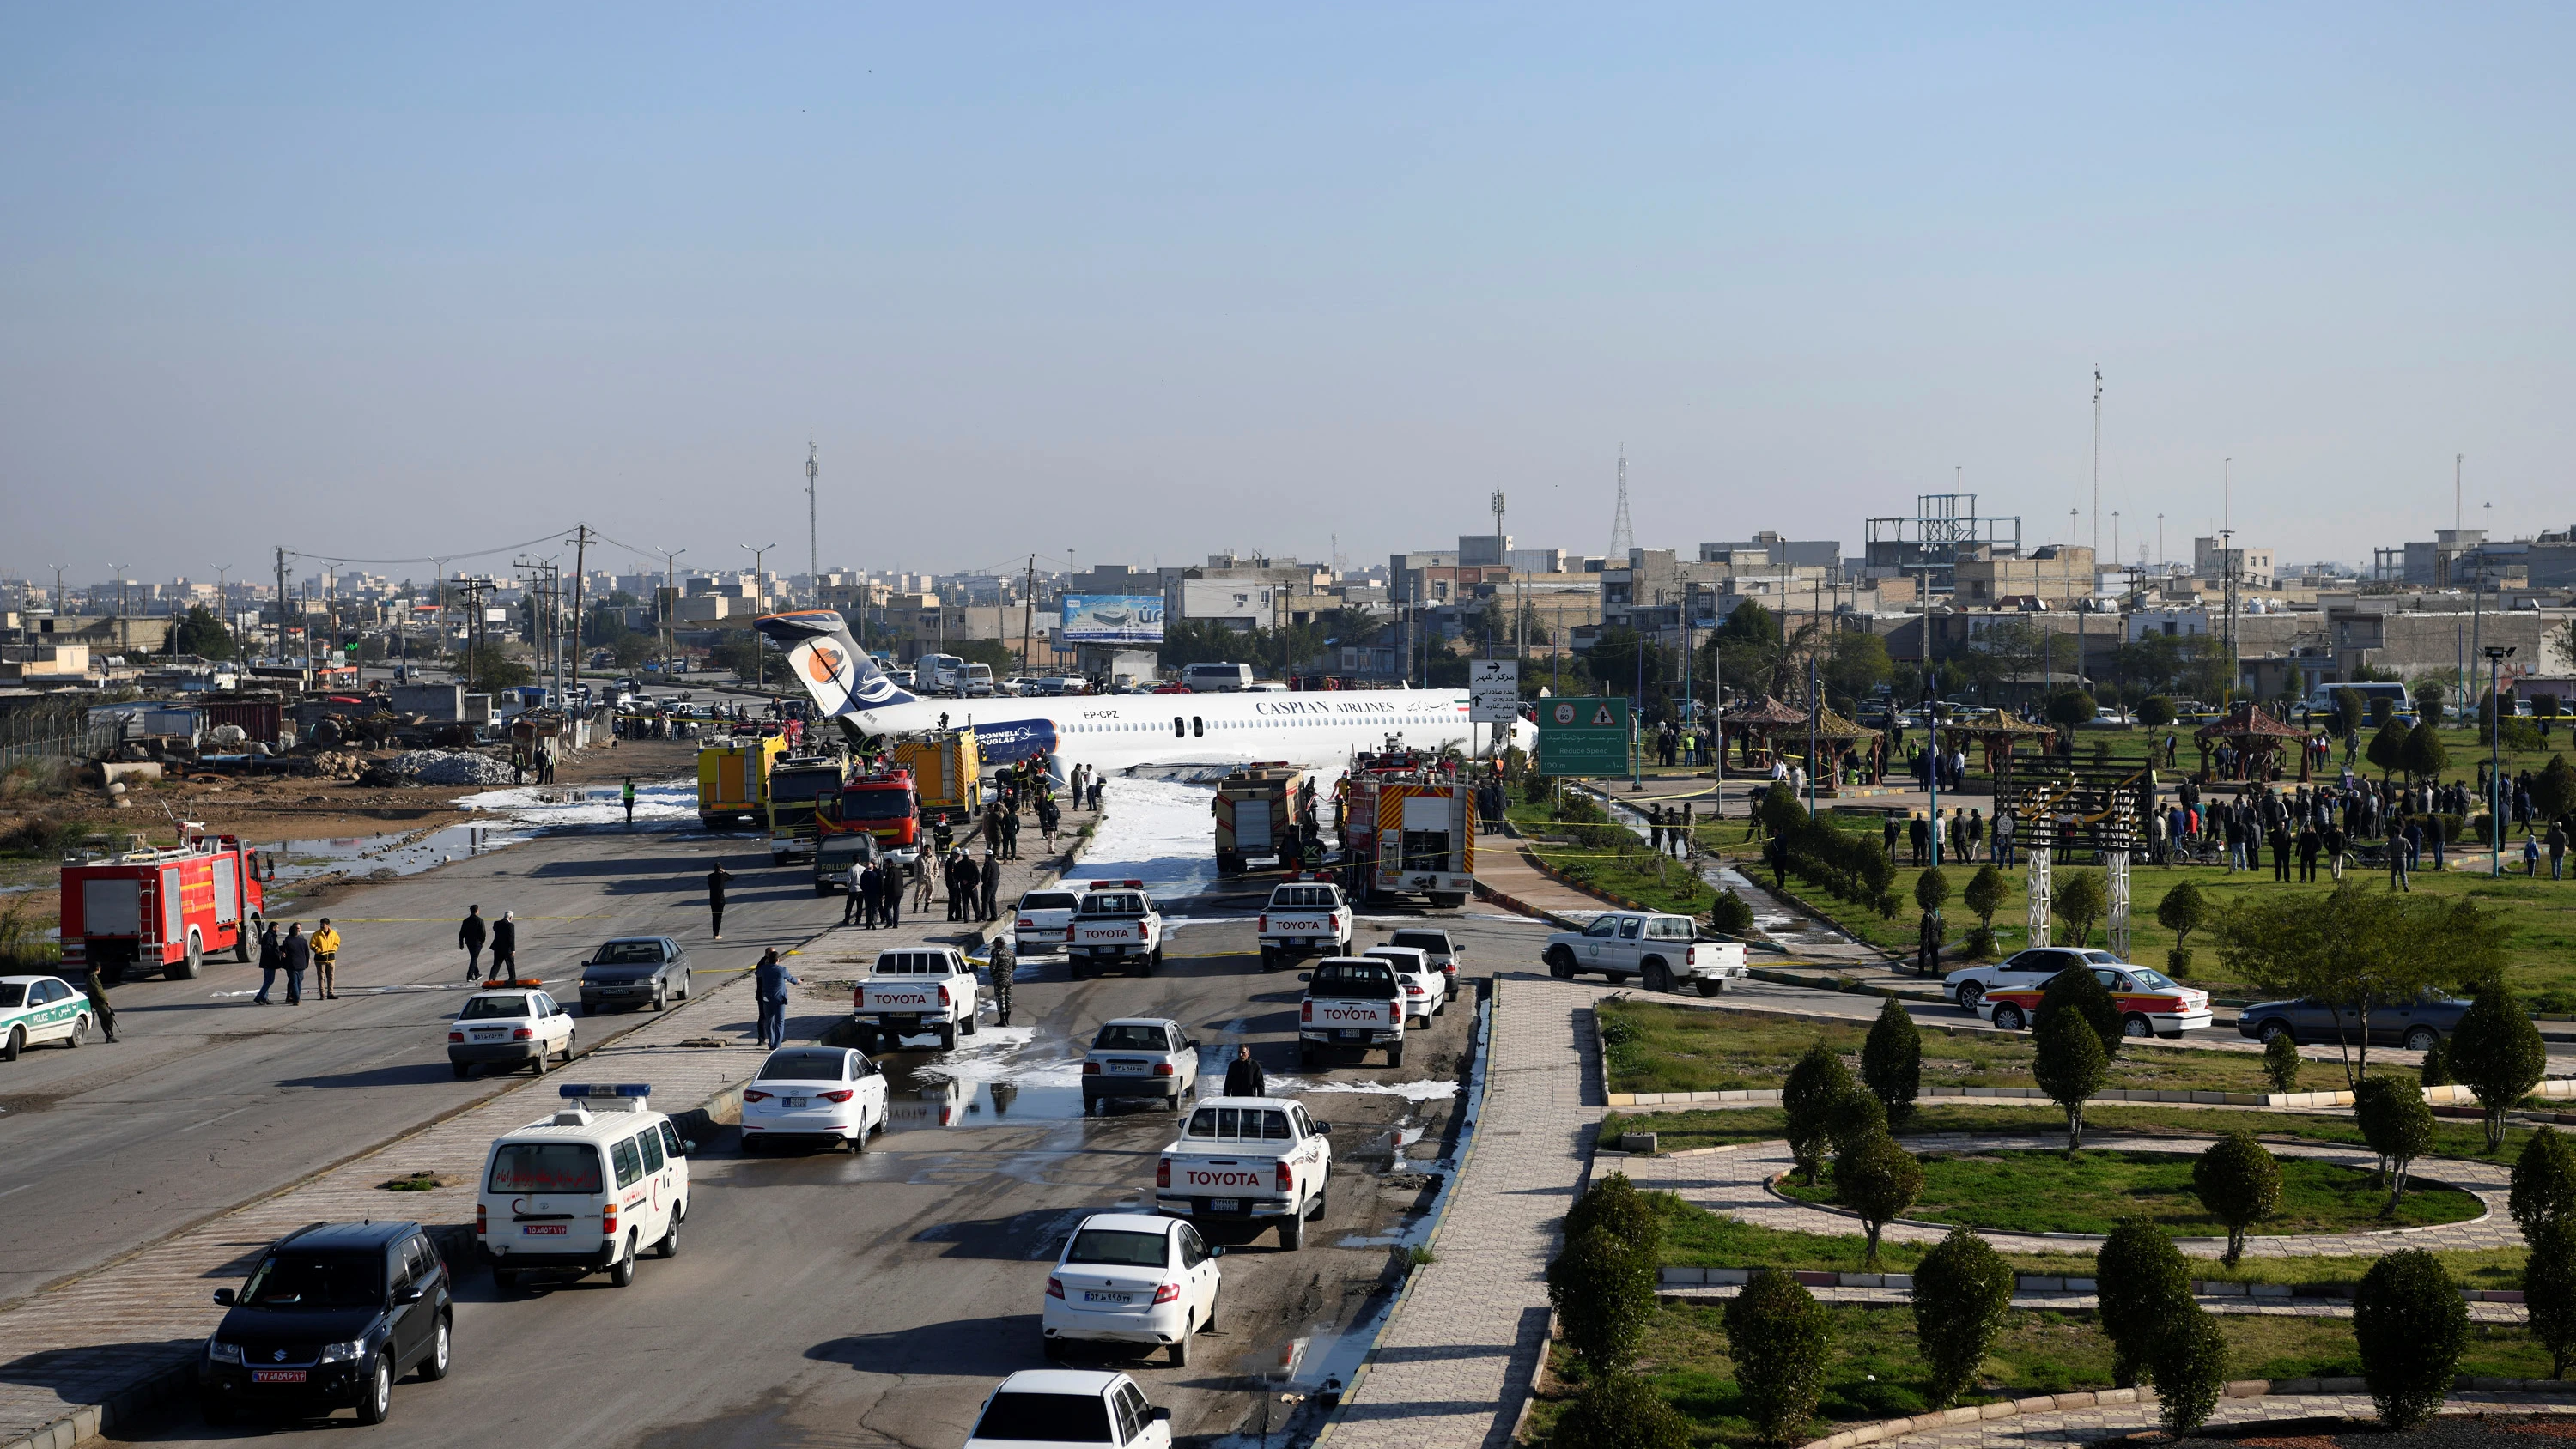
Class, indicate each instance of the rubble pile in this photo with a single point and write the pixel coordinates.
(452, 767)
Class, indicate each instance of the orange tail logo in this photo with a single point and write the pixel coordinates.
(824, 663)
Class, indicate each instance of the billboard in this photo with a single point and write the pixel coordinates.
(1113, 619)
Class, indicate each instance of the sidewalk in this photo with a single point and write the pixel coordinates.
(108, 1344)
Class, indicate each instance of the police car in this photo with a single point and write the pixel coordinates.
(583, 1193)
(510, 1024)
(38, 1009)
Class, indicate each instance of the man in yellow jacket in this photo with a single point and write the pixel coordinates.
(326, 954)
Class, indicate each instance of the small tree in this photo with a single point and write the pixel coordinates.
(2544, 1182)
(2382, 710)
(1891, 1060)
(2411, 1327)
(2387, 752)
(1730, 915)
(1852, 1119)
(2428, 701)
(1877, 1180)
(2426, 755)
(2189, 1360)
(1621, 1411)
(2553, 790)
(2348, 714)
(1778, 1335)
(2071, 1066)
(2281, 1063)
(2069, 708)
(2239, 1184)
(1932, 889)
(2078, 990)
(1986, 893)
(2156, 711)
(1613, 1203)
(2549, 1292)
(2184, 909)
(2143, 1284)
(1962, 1289)
(1604, 1292)
(2497, 1053)
(2080, 899)
(2435, 1069)
(2397, 1125)
(1807, 1096)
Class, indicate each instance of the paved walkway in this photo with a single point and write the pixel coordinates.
(1733, 1183)
(1455, 1365)
(2083, 1426)
(137, 1326)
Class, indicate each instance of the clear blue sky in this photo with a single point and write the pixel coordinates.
(1134, 283)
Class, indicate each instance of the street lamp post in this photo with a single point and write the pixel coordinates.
(759, 661)
(670, 603)
(2496, 655)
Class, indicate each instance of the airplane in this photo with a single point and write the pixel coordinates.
(1316, 730)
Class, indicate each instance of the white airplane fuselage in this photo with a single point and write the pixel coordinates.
(1112, 732)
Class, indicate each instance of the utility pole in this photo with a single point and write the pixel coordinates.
(760, 661)
(2227, 566)
(2496, 655)
(2459, 519)
(580, 555)
(670, 603)
(1028, 613)
(2097, 467)
(279, 654)
(813, 532)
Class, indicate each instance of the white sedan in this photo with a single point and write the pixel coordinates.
(1140, 1056)
(1071, 1409)
(1969, 984)
(1426, 986)
(814, 1092)
(1133, 1280)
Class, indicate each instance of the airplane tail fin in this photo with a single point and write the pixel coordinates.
(831, 666)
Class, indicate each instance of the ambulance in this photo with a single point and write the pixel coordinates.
(585, 1191)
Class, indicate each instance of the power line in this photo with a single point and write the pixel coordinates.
(341, 558)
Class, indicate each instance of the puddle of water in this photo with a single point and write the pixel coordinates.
(393, 854)
(934, 1105)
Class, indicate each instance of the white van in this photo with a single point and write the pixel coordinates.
(2322, 698)
(979, 680)
(939, 674)
(580, 1193)
(1217, 678)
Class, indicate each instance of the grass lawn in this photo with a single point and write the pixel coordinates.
(1629, 869)
(1681, 1049)
(2539, 914)
(2044, 1191)
(1875, 1368)
(2452, 1136)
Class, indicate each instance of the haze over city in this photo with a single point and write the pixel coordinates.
(1143, 284)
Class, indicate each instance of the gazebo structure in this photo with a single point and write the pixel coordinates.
(1834, 734)
(1999, 735)
(2258, 740)
(1753, 725)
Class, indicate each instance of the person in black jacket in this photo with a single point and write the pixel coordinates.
(470, 935)
(992, 874)
(716, 879)
(1243, 1075)
(271, 961)
(505, 946)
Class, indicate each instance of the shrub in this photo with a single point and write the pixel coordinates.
(2071, 1066)
(2189, 1361)
(2143, 1284)
(2549, 1292)
(1852, 1119)
(2156, 711)
(1962, 1289)
(1932, 889)
(2178, 963)
(2436, 1068)
(2387, 750)
(2425, 756)
(2239, 1184)
(1891, 1060)
(2281, 1063)
(1621, 1411)
(1614, 1205)
(1878, 1180)
(2544, 1182)
(2411, 1327)
(1620, 1037)
(1807, 1097)
(1730, 915)
(1604, 1292)
(2497, 1053)
(1778, 1335)
(2184, 909)
(2553, 790)
(2080, 899)
(2397, 1125)
(2079, 990)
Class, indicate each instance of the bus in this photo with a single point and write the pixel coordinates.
(2322, 698)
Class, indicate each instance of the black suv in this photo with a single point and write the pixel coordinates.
(333, 1314)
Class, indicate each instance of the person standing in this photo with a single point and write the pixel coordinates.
(2334, 840)
(2397, 864)
(1011, 836)
(297, 953)
(890, 894)
(1096, 783)
(326, 957)
(2557, 849)
(1243, 1075)
(505, 946)
(716, 879)
(270, 963)
(917, 876)
(2280, 843)
(2003, 838)
(1888, 832)
(992, 883)
(854, 886)
(770, 980)
(101, 1009)
(629, 793)
(470, 936)
(2309, 844)
(1003, 966)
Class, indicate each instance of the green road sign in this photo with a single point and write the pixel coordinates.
(1584, 736)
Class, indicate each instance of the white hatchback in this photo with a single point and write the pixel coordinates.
(1070, 1408)
(1426, 987)
(1135, 1281)
(814, 1091)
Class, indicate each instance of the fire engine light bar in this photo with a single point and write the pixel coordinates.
(603, 1089)
(1112, 885)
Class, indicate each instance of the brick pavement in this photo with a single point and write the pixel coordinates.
(1453, 1367)
(2088, 1425)
(132, 1330)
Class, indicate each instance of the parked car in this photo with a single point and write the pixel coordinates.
(332, 1314)
(1132, 1281)
(2414, 1025)
(2150, 1003)
(635, 971)
(1969, 984)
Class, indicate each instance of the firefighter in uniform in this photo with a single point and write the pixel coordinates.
(1003, 967)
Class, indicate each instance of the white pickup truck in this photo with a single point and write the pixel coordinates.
(1115, 925)
(1352, 1003)
(1304, 919)
(1667, 951)
(913, 992)
(1256, 1160)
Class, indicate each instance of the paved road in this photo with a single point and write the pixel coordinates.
(207, 1101)
(835, 1300)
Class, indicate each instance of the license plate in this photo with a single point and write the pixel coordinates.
(542, 1230)
(1094, 1295)
(1301, 940)
(1225, 1204)
(277, 1376)
(1127, 1069)
(792, 1103)
(1349, 1033)
(487, 1036)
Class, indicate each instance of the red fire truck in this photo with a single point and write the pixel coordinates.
(882, 803)
(1408, 827)
(163, 910)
